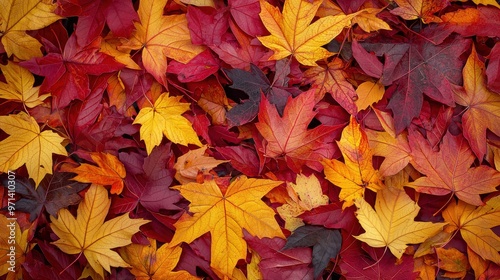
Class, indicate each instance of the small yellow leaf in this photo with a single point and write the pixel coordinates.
(192, 162)
(368, 21)
(369, 93)
(10, 228)
(165, 119)
(27, 145)
(19, 86)
(91, 235)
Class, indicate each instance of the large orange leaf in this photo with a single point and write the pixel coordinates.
(151, 264)
(356, 172)
(91, 235)
(289, 137)
(293, 34)
(483, 105)
(165, 118)
(159, 37)
(449, 169)
(391, 224)
(475, 225)
(18, 16)
(224, 215)
(109, 171)
(28, 145)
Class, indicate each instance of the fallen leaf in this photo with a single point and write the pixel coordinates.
(19, 16)
(423, 9)
(475, 225)
(28, 145)
(368, 21)
(293, 34)
(449, 170)
(149, 263)
(453, 262)
(326, 244)
(368, 93)
(189, 164)
(19, 86)
(159, 37)
(90, 235)
(391, 224)
(305, 195)
(225, 215)
(165, 118)
(13, 240)
(356, 172)
(396, 150)
(481, 106)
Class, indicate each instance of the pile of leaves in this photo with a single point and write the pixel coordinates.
(250, 139)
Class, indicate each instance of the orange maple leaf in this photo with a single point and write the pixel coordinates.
(423, 9)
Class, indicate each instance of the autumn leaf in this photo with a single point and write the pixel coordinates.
(368, 93)
(13, 239)
(293, 34)
(288, 136)
(356, 172)
(192, 162)
(391, 224)
(109, 171)
(396, 150)
(165, 118)
(19, 86)
(453, 261)
(225, 215)
(89, 234)
(149, 263)
(475, 223)
(159, 37)
(19, 16)
(368, 21)
(482, 105)
(449, 170)
(28, 145)
(305, 195)
(423, 9)
(332, 79)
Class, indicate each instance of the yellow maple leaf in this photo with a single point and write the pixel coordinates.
(18, 16)
(475, 225)
(27, 145)
(19, 86)
(356, 172)
(423, 9)
(292, 33)
(305, 195)
(368, 93)
(91, 235)
(392, 223)
(225, 215)
(149, 263)
(164, 118)
(110, 171)
(368, 21)
(396, 150)
(12, 232)
(192, 162)
(159, 37)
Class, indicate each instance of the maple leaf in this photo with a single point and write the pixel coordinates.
(18, 16)
(28, 145)
(326, 244)
(149, 263)
(305, 195)
(109, 171)
(483, 105)
(368, 93)
(159, 37)
(164, 118)
(224, 215)
(475, 225)
(289, 137)
(356, 172)
(192, 162)
(19, 86)
(392, 223)
(368, 21)
(67, 74)
(91, 235)
(292, 33)
(332, 79)
(449, 170)
(396, 151)
(13, 239)
(423, 9)
(55, 192)
(453, 261)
